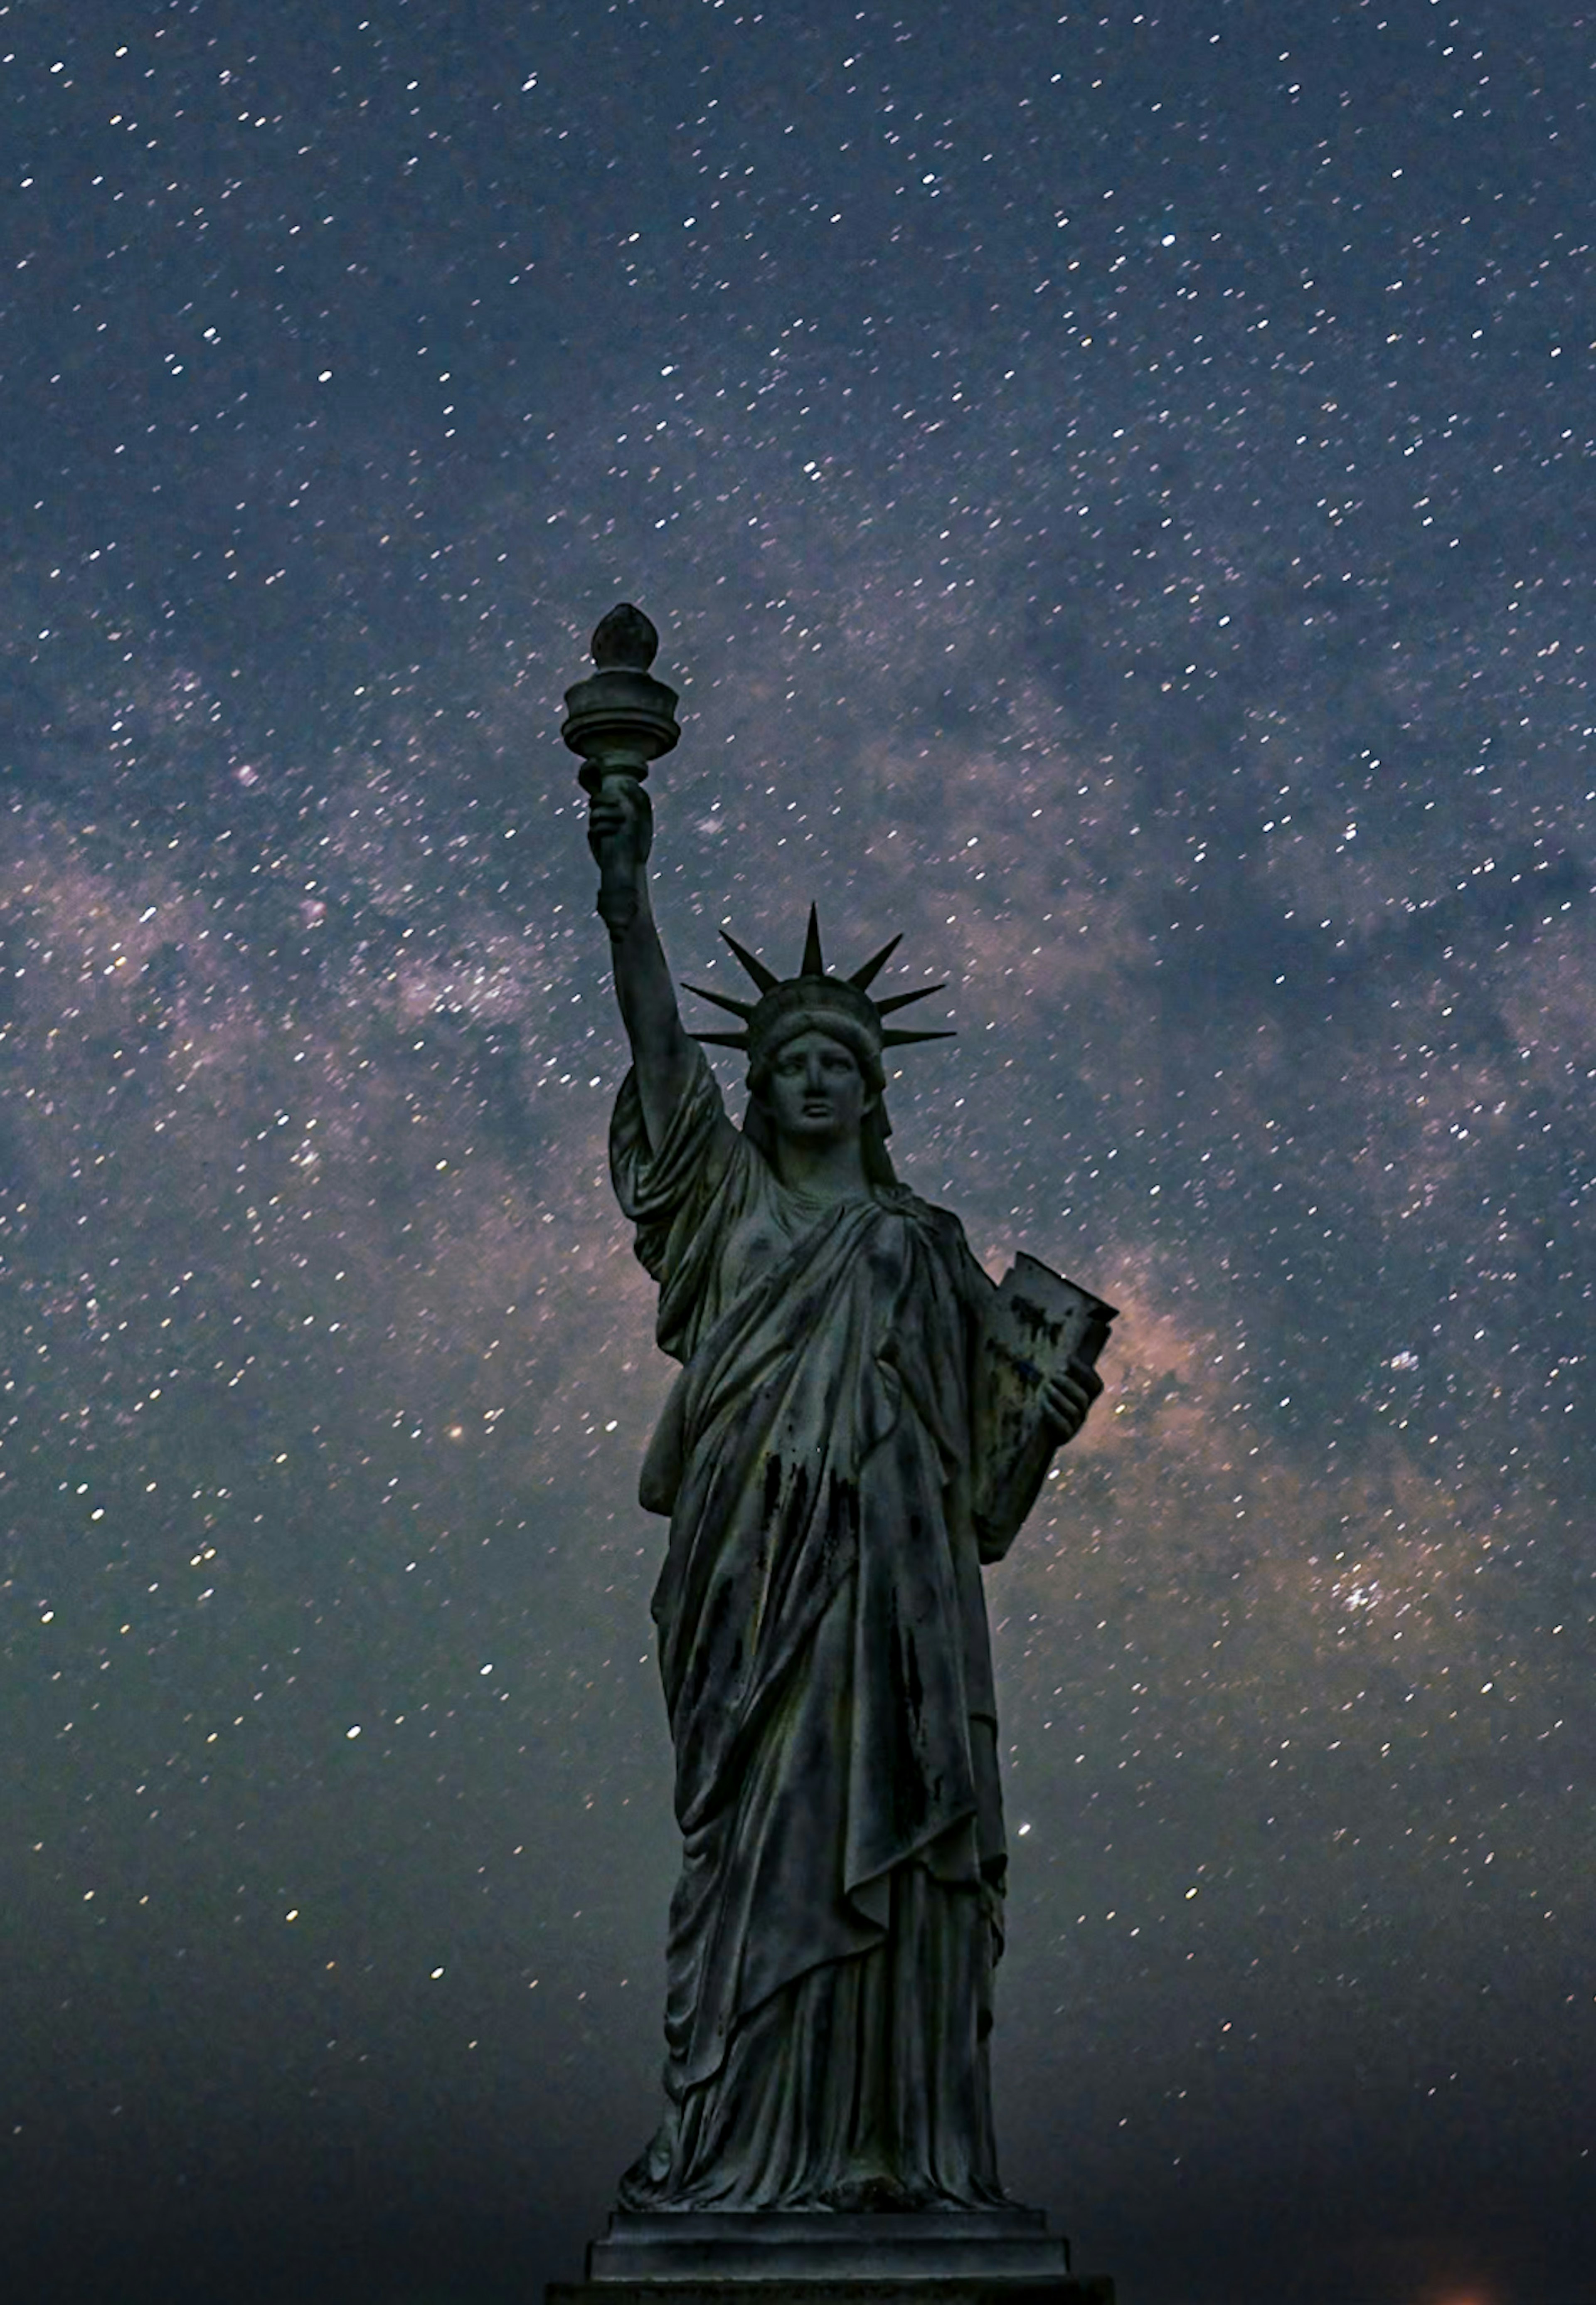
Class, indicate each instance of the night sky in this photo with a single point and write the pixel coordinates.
(1115, 490)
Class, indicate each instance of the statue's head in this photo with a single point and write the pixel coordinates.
(818, 1086)
(815, 1041)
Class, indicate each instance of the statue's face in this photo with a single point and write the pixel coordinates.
(817, 1094)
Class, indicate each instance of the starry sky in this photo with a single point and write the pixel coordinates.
(1113, 484)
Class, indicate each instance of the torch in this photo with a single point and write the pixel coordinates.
(621, 718)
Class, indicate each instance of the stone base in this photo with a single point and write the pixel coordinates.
(976, 2257)
(1095, 2289)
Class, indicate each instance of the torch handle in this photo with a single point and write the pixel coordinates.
(619, 720)
(621, 849)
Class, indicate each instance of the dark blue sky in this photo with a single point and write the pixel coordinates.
(1114, 487)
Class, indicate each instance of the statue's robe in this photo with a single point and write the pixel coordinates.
(824, 1649)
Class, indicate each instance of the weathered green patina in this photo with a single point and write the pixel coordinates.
(833, 1490)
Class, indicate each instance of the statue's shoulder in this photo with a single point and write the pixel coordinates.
(941, 1226)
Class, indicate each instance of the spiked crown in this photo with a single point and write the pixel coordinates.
(794, 1003)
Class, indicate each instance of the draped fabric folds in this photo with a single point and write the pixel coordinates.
(824, 1651)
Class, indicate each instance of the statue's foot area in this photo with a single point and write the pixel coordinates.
(878, 2195)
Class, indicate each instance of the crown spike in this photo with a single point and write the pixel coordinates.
(722, 1040)
(903, 1040)
(866, 976)
(722, 1000)
(902, 999)
(812, 964)
(764, 978)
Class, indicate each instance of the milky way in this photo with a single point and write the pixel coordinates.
(1113, 487)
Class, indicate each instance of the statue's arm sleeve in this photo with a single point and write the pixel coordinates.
(676, 1194)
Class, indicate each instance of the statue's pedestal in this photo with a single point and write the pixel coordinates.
(976, 2257)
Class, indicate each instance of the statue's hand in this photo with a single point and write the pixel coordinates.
(621, 829)
(1065, 1399)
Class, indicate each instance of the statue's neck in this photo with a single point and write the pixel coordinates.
(823, 1172)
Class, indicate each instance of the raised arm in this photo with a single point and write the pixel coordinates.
(620, 834)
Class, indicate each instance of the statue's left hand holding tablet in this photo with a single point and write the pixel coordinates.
(1065, 1398)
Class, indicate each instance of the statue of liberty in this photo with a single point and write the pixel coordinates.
(834, 1479)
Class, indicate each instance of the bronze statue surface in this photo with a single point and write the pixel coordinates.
(861, 1421)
